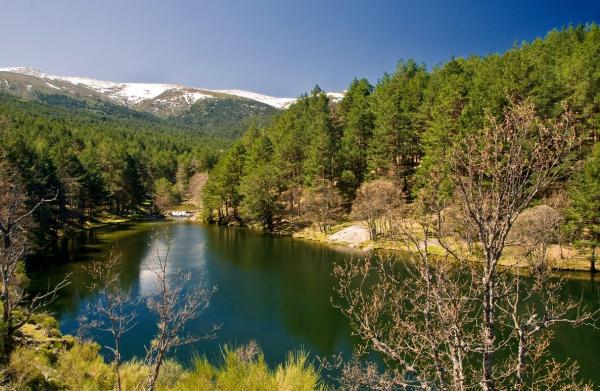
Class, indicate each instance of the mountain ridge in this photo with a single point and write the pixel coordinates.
(176, 97)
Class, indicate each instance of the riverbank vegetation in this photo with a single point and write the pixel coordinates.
(455, 324)
(313, 165)
(102, 165)
(70, 364)
(34, 355)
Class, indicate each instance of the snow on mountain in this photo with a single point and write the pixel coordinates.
(51, 86)
(126, 93)
(132, 94)
(278, 103)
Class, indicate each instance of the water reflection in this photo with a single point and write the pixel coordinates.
(274, 290)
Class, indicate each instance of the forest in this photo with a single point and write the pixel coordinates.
(96, 160)
(318, 158)
(476, 166)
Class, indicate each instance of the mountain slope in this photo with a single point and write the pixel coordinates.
(221, 112)
(129, 94)
(208, 112)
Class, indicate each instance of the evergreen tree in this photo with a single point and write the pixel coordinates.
(222, 193)
(585, 203)
(322, 157)
(395, 149)
(260, 183)
(260, 189)
(357, 122)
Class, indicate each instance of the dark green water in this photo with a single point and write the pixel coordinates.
(273, 290)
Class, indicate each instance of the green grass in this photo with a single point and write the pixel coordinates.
(79, 365)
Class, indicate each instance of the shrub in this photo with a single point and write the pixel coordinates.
(133, 375)
(29, 370)
(82, 368)
(297, 374)
(245, 368)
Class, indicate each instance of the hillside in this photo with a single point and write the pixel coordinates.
(221, 114)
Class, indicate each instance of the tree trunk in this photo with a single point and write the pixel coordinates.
(593, 260)
(155, 371)
(457, 366)
(488, 383)
(521, 357)
(6, 315)
(7, 343)
(118, 363)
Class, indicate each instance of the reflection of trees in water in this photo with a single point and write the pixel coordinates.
(186, 252)
(274, 290)
(583, 342)
(131, 242)
(295, 283)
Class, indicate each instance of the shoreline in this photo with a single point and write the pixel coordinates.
(108, 220)
(346, 234)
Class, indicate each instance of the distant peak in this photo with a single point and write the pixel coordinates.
(134, 93)
(25, 71)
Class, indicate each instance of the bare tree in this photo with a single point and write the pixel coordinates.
(15, 226)
(423, 316)
(196, 187)
(113, 307)
(532, 309)
(175, 303)
(323, 206)
(497, 172)
(419, 315)
(375, 202)
(443, 321)
(560, 202)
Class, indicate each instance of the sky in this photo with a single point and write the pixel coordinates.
(275, 47)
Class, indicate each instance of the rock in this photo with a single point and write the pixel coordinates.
(353, 235)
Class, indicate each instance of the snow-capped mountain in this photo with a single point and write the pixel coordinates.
(160, 99)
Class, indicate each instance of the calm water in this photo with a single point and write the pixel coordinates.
(274, 290)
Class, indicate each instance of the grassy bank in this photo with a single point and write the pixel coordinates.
(46, 360)
(105, 219)
(353, 234)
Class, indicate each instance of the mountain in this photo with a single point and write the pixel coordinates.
(161, 99)
(224, 112)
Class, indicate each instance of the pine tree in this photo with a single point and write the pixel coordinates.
(322, 157)
(585, 204)
(222, 192)
(260, 184)
(357, 123)
(395, 149)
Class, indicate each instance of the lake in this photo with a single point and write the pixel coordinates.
(276, 291)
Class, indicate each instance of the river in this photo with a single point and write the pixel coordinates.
(276, 291)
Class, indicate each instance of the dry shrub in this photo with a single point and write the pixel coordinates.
(375, 205)
(323, 207)
(196, 186)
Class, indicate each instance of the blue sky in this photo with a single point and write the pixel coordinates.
(275, 47)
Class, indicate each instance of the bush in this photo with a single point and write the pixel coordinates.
(133, 375)
(297, 374)
(375, 202)
(245, 368)
(82, 368)
(29, 370)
